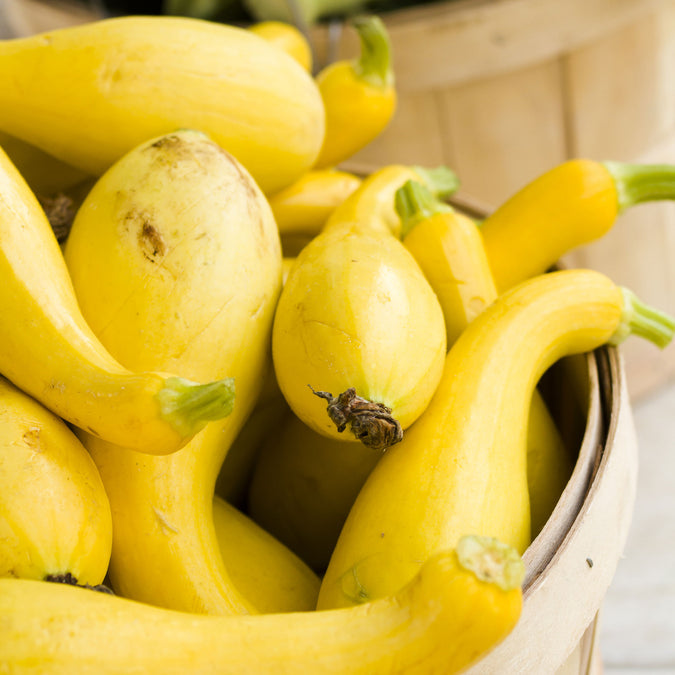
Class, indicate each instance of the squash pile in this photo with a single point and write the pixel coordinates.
(260, 414)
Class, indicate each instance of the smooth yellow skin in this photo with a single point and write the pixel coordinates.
(88, 94)
(372, 205)
(357, 112)
(269, 411)
(288, 38)
(287, 263)
(54, 513)
(200, 300)
(45, 174)
(463, 466)
(572, 204)
(303, 486)
(261, 567)
(442, 622)
(48, 349)
(356, 311)
(550, 463)
(305, 206)
(449, 249)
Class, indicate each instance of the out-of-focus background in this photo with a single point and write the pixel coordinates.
(502, 90)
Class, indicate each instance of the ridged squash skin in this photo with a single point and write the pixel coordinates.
(445, 620)
(356, 311)
(175, 258)
(48, 349)
(88, 94)
(462, 467)
(54, 512)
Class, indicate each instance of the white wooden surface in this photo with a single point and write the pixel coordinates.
(638, 618)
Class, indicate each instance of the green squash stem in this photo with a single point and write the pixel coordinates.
(643, 320)
(188, 406)
(637, 183)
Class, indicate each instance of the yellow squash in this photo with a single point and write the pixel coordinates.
(176, 261)
(54, 513)
(372, 205)
(357, 323)
(88, 94)
(45, 174)
(288, 38)
(462, 466)
(48, 350)
(550, 463)
(268, 412)
(265, 571)
(304, 207)
(286, 264)
(449, 249)
(303, 485)
(570, 205)
(459, 606)
(359, 96)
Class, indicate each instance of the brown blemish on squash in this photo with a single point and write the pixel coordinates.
(151, 242)
(165, 141)
(31, 437)
(170, 152)
(206, 155)
(174, 149)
